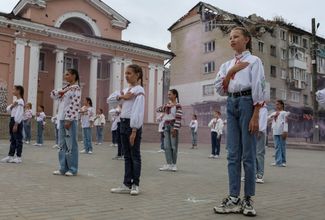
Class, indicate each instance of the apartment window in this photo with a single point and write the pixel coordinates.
(209, 46)
(208, 90)
(273, 93)
(305, 43)
(283, 94)
(299, 74)
(71, 63)
(261, 47)
(283, 74)
(209, 67)
(283, 35)
(210, 25)
(295, 39)
(273, 71)
(283, 54)
(41, 65)
(273, 51)
(306, 99)
(295, 96)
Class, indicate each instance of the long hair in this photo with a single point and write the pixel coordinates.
(246, 33)
(20, 90)
(175, 92)
(75, 73)
(137, 70)
(88, 99)
(281, 103)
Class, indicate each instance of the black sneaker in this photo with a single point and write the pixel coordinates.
(247, 207)
(228, 205)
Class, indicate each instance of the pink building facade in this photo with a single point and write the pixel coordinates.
(39, 40)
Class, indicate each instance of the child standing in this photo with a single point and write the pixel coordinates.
(69, 103)
(27, 122)
(16, 111)
(242, 79)
(194, 126)
(115, 113)
(55, 123)
(99, 124)
(40, 119)
(260, 145)
(161, 132)
(132, 115)
(216, 125)
(172, 118)
(87, 113)
(114, 127)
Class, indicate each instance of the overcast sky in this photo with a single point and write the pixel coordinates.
(150, 19)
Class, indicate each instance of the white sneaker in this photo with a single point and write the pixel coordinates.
(242, 179)
(259, 180)
(69, 174)
(121, 190)
(134, 190)
(36, 144)
(284, 165)
(57, 172)
(90, 152)
(55, 146)
(83, 151)
(211, 156)
(27, 142)
(216, 156)
(100, 143)
(165, 167)
(17, 160)
(7, 159)
(161, 151)
(174, 168)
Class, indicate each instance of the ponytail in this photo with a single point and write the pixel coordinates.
(175, 92)
(138, 70)
(246, 33)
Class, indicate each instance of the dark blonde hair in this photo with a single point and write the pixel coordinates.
(137, 70)
(246, 33)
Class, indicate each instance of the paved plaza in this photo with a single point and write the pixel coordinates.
(30, 191)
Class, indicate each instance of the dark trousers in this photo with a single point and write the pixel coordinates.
(16, 139)
(132, 156)
(120, 152)
(215, 143)
(162, 140)
(114, 136)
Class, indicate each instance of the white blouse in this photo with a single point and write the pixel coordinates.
(194, 124)
(252, 77)
(320, 97)
(17, 112)
(262, 122)
(69, 102)
(279, 122)
(40, 117)
(132, 109)
(87, 116)
(216, 125)
(99, 120)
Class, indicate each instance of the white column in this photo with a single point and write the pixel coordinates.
(127, 62)
(115, 75)
(151, 93)
(58, 79)
(160, 86)
(93, 78)
(19, 61)
(33, 73)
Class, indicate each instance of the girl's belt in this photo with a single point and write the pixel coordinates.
(241, 93)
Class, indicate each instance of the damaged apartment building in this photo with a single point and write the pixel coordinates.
(200, 41)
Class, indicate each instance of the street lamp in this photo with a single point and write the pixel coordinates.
(314, 78)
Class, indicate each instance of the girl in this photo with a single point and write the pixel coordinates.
(69, 103)
(116, 123)
(40, 119)
(27, 121)
(172, 118)
(16, 111)
(216, 125)
(161, 132)
(194, 127)
(87, 113)
(132, 115)
(242, 79)
(99, 124)
(55, 123)
(114, 127)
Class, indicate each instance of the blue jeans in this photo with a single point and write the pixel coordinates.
(132, 155)
(260, 154)
(280, 150)
(56, 134)
(99, 134)
(16, 139)
(194, 137)
(171, 145)
(27, 130)
(87, 139)
(68, 148)
(162, 137)
(241, 145)
(215, 142)
(40, 129)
